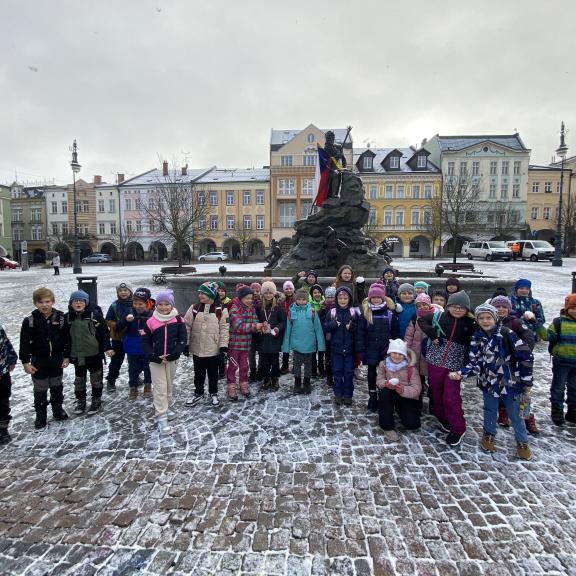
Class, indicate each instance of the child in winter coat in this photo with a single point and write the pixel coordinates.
(286, 302)
(316, 299)
(399, 389)
(117, 310)
(517, 325)
(44, 353)
(327, 305)
(163, 342)
(391, 285)
(271, 315)
(243, 324)
(525, 306)
(562, 346)
(503, 364)
(341, 324)
(132, 326)
(207, 329)
(305, 279)
(377, 326)
(407, 309)
(89, 342)
(8, 359)
(447, 352)
(357, 286)
(304, 337)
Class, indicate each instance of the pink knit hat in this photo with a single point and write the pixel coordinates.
(268, 286)
(423, 297)
(255, 286)
(377, 290)
(288, 284)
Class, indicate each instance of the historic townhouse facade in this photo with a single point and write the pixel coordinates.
(293, 156)
(107, 198)
(399, 183)
(28, 222)
(5, 221)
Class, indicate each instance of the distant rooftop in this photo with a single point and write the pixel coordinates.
(452, 143)
(280, 137)
(381, 153)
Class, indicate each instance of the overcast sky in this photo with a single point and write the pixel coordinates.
(135, 80)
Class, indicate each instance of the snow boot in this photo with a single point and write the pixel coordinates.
(40, 405)
(274, 385)
(56, 400)
(232, 392)
(266, 384)
(329, 380)
(95, 406)
(558, 415)
(372, 401)
(4, 436)
(531, 427)
(571, 414)
(297, 385)
(307, 386)
(245, 389)
(164, 429)
(132, 393)
(147, 390)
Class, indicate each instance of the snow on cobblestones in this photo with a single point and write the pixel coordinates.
(278, 484)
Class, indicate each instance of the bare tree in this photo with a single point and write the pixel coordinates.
(179, 208)
(244, 235)
(122, 238)
(433, 223)
(569, 224)
(502, 218)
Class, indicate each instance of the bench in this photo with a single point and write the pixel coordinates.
(442, 266)
(159, 278)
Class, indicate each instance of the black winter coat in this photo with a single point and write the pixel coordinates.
(460, 329)
(342, 340)
(276, 317)
(372, 339)
(170, 339)
(43, 340)
(101, 331)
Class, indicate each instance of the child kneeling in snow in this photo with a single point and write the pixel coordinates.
(399, 387)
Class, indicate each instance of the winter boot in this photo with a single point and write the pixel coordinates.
(132, 393)
(40, 405)
(111, 386)
(523, 452)
(164, 429)
(570, 415)
(298, 385)
(95, 406)
(531, 425)
(267, 383)
(558, 415)
(503, 419)
(232, 392)
(488, 443)
(147, 390)
(57, 399)
(80, 406)
(372, 401)
(4, 435)
(307, 386)
(245, 389)
(253, 378)
(80, 393)
(284, 369)
(329, 380)
(274, 385)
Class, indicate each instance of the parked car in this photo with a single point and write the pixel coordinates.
(213, 257)
(490, 250)
(534, 250)
(97, 258)
(7, 263)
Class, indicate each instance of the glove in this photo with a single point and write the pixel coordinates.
(224, 355)
(186, 351)
(399, 308)
(394, 381)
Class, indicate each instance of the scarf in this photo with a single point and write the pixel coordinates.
(165, 317)
(377, 306)
(395, 366)
(423, 311)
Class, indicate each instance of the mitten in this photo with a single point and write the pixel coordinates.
(224, 355)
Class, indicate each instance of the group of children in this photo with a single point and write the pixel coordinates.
(411, 342)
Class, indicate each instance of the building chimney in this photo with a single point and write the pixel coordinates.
(120, 178)
(185, 170)
(97, 180)
(165, 168)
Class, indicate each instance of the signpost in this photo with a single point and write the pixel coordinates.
(24, 254)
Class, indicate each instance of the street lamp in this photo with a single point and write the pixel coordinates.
(561, 152)
(77, 269)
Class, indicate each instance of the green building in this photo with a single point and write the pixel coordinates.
(5, 221)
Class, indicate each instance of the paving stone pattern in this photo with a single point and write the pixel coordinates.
(279, 484)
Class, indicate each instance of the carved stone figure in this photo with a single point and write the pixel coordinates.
(275, 254)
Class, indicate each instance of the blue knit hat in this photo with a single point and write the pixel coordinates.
(80, 295)
(165, 296)
(523, 283)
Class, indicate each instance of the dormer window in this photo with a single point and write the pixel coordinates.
(367, 163)
(394, 162)
(422, 161)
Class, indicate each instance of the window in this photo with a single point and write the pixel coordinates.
(505, 165)
(213, 198)
(546, 213)
(475, 168)
(463, 169)
(427, 190)
(367, 162)
(100, 206)
(558, 187)
(112, 227)
(259, 222)
(372, 217)
(286, 160)
(260, 196)
(128, 225)
(400, 192)
(516, 191)
(111, 205)
(36, 233)
(247, 222)
(534, 213)
(229, 197)
(492, 193)
(373, 192)
(55, 229)
(151, 225)
(35, 214)
(287, 214)
(389, 193)
(213, 222)
(427, 217)
(517, 165)
(394, 162)
(493, 168)
(17, 215)
(421, 161)
(54, 207)
(310, 138)
(547, 186)
(16, 233)
(230, 222)
(128, 203)
(138, 203)
(202, 223)
(305, 209)
(535, 186)
(451, 168)
(138, 225)
(309, 160)
(246, 197)
(399, 218)
(504, 191)
(416, 191)
(101, 228)
(415, 218)
(64, 204)
(286, 186)
(388, 218)
(307, 187)
(65, 229)
(85, 206)
(201, 198)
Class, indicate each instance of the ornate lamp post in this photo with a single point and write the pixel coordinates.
(77, 269)
(561, 152)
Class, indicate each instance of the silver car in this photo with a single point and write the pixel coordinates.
(97, 258)
(213, 257)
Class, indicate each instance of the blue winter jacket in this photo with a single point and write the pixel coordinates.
(342, 339)
(404, 317)
(303, 330)
(133, 332)
(372, 339)
(521, 304)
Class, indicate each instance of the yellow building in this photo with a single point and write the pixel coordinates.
(293, 156)
(399, 183)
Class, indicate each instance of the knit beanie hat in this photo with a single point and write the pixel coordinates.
(423, 297)
(422, 284)
(269, 287)
(123, 285)
(500, 291)
(244, 291)
(459, 299)
(221, 285)
(523, 283)
(312, 273)
(256, 286)
(209, 289)
(238, 286)
(501, 301)
(406, 287)
(80, 295)
(347, 290)
(486, 309)
(316, 287)
(301, 294)
(377, 290)
(288, 284)
(399, 346)
(388, 269)
(330, 292)
(142, 294)
(570, 301)
(165, 296)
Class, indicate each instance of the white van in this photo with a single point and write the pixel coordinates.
(534, 250)
(489, 250)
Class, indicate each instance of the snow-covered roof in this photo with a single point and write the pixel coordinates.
(155, 175)
(452, 143)
(381, 153)
(236, 175)
(280, 137)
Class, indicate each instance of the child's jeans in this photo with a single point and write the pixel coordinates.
(205, 365)
(446, 399)
(300, 359)
(563, 380)
(136, 365)
(512, 407)
(408, 410)
(343, 374)
(162, 379)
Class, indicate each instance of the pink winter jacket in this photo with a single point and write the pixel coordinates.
(414, 338)
(408, 377)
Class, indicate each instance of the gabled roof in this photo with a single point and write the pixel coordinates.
(280, 137)
(453, 143)
(236, 175)
(382, 153)
(155, 175)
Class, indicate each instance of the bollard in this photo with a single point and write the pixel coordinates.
(573, 282)
(90, 285)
